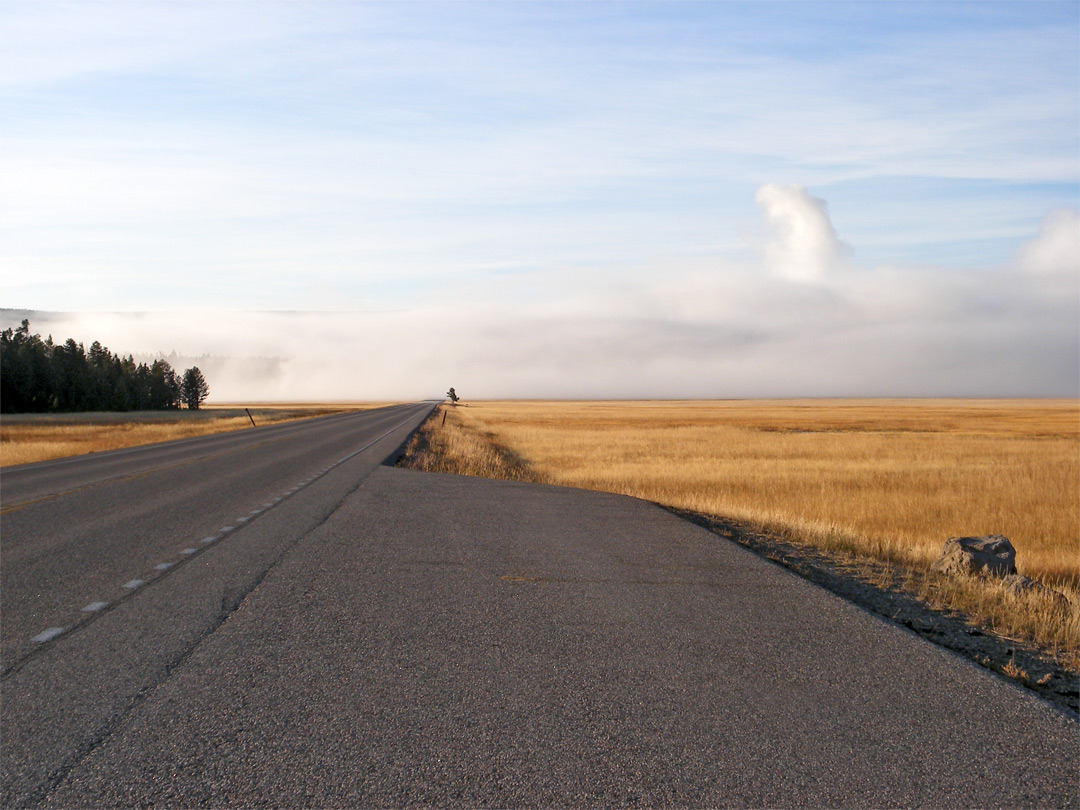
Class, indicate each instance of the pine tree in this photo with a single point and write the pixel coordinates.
(164, 386)
(194, 389)
(37, 376)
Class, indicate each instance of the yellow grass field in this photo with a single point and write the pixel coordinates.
(26, 438)
(887, 479)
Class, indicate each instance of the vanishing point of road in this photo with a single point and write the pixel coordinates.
(277, 618)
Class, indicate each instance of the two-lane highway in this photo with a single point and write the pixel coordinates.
(79, 534)
(115, 565)
(347, 634)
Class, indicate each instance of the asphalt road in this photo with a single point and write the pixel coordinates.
(76, 530)
(383, 637)
(148, 550)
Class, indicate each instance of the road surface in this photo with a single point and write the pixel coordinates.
(383, 637)
(76, 530)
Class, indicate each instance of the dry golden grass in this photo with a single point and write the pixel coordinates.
(886, 479)
(25, 438)
(1050, 622)
(443, 446)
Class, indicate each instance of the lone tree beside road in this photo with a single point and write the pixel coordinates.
(452, 394)
(194, 388)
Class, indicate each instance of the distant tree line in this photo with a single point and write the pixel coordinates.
(38, 376)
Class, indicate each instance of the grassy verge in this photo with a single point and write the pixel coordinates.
(25, 438)
(883, 482)
(444, 444)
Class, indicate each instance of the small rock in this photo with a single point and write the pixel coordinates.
(992, 554)
(918, 625)
(1017, 585)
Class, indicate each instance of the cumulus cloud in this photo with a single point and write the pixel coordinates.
(1055, 250)
(803, 245)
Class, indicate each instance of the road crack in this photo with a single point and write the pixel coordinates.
(232, 600)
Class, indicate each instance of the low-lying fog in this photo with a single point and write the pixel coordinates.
(804, 320)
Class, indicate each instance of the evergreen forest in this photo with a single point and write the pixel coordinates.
(39, 376)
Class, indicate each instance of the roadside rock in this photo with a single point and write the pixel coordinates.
(1018, 585)
(992, 554)
(881, 589)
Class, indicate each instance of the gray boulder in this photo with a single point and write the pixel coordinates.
(992, 554)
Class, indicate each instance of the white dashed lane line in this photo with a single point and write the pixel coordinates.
(134, 584)
(48, 635)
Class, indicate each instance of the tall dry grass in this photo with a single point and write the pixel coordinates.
(25, 438)
(886, 479)
(443, 446)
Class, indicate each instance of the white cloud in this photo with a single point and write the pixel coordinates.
(409, 157)
(803, 245)
(1055, 250)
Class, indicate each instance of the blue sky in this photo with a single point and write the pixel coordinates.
(585, 166)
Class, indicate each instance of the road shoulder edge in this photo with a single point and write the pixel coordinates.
(1018, 663)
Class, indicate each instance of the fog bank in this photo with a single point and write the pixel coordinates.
(804, 321)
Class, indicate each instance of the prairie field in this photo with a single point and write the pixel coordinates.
(25, 438)
(889, 480)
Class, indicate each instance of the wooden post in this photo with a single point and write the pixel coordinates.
(252, 418)
(443, 419)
